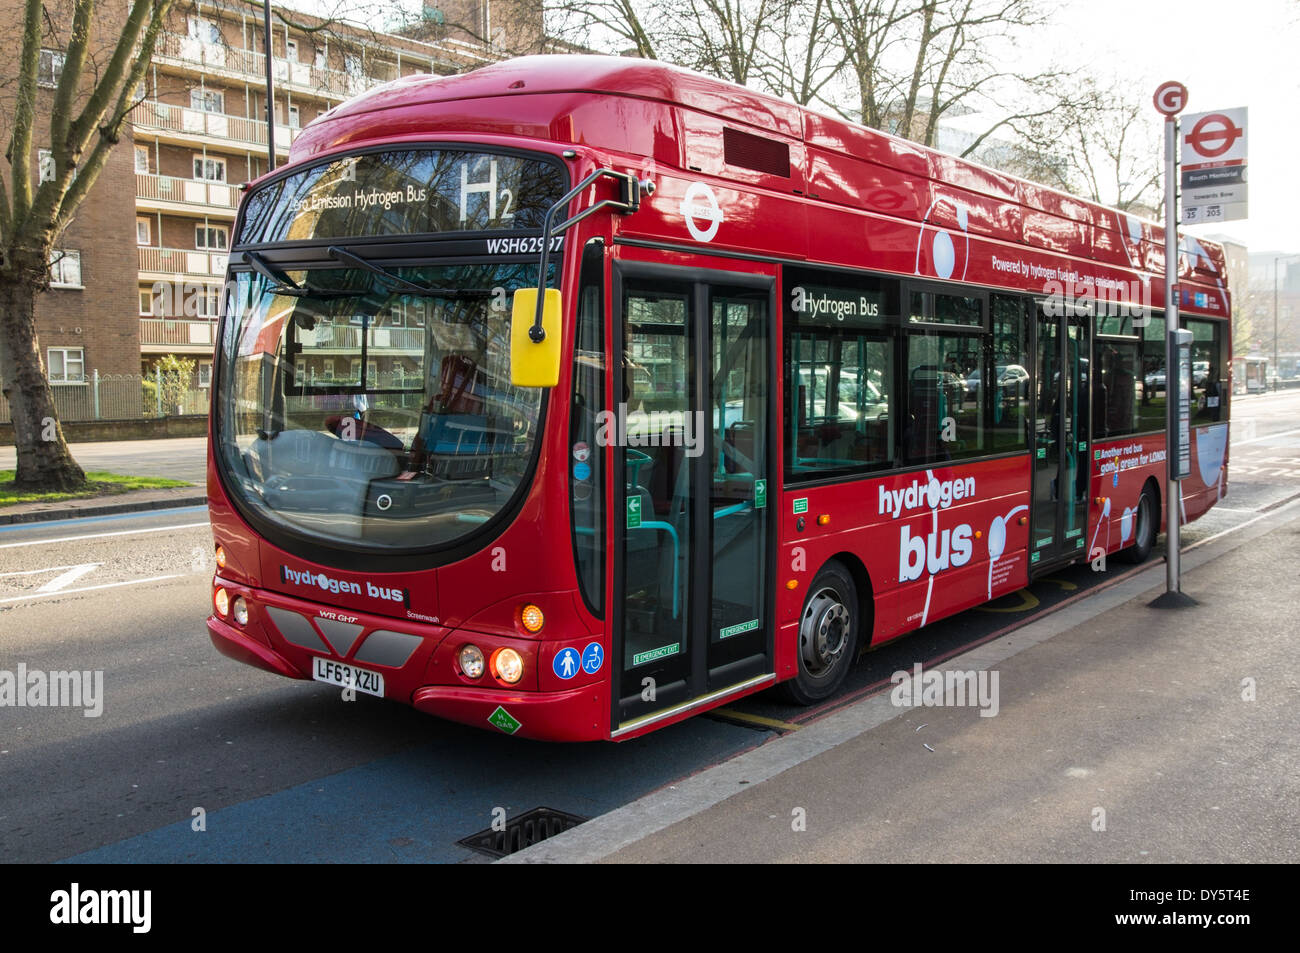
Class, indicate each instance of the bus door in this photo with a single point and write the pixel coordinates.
(1061, 452)
(692, 603)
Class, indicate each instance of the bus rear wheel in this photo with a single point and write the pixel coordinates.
(1145, 530)
(828, 636)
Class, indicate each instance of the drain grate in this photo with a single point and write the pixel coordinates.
(531, 827)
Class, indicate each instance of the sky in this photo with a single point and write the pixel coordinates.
(1243, 53)
(1228, 54)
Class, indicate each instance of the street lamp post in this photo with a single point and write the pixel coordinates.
(270, 87)
(1276, 364)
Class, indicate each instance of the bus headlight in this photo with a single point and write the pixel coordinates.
(221, 599)
(507, 665)
(471, 661)
(241, 610)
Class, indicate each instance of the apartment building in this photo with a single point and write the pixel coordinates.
(201, 132)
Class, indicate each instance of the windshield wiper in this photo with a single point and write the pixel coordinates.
(282, 284)
(405, 285)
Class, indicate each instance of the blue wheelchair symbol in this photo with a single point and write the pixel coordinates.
(593, 657)
(566, 663)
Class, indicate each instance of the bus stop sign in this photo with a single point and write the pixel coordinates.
(1213, 171)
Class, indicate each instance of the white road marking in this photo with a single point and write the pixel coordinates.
(1274, 436)
(1284, 505)
(122, 532)
(37, 572)
(107, 585)
(63, 580)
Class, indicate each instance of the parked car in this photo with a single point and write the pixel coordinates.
(1008, 375)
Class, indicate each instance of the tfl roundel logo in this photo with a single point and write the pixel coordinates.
(701, 211)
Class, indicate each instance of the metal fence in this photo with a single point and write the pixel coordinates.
(121, 397)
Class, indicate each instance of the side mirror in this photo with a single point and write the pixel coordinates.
(535, 364)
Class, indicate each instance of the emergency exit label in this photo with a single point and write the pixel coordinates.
(633, 512)
(801, 505)
(760, 494)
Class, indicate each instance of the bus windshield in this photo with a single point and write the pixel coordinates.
(374, 414)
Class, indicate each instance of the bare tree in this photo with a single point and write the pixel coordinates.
(801, 58)
(1095, 140)
(743, 41)
(915, 61)
(501, 28)
(730, 39)
(92, 97)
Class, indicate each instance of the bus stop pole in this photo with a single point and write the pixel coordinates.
(1173, 486)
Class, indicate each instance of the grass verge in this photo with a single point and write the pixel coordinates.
(101, 483)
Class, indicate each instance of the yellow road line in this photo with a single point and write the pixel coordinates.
(732, 715)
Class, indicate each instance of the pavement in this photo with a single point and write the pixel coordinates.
(1123, 733)
(174, 458)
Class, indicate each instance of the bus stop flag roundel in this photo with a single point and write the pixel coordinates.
(1213, 169)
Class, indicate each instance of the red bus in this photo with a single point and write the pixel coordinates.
(794, 387)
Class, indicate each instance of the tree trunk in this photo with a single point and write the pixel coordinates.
(44, 462)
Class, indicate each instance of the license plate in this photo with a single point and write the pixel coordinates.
(347, 676)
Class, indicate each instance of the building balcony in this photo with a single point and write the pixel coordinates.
(347, 339)
(180, 124)
(168, 193)
(177, 335)
(168, 263)
(191, 55)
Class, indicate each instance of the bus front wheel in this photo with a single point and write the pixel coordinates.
(828, 636)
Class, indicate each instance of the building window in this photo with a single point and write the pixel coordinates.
(205, 31)
(67, 365)
(205, 373)
(319, 60)
(208, 100)
(65, 268)
(147, 304)
(206, 302)
(142, 236)
(295, 120)
(291, 50)
(50, 68)
(44, 165)
(211, 237)
(142, 159)
(208, 169)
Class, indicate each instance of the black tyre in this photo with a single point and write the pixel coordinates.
(828, 636)
(1144, 535)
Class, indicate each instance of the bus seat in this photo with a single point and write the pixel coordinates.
(665, 469)
(740, 436)
(456, 380)
(921, 438)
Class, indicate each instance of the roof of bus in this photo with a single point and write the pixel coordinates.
(559, 85)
